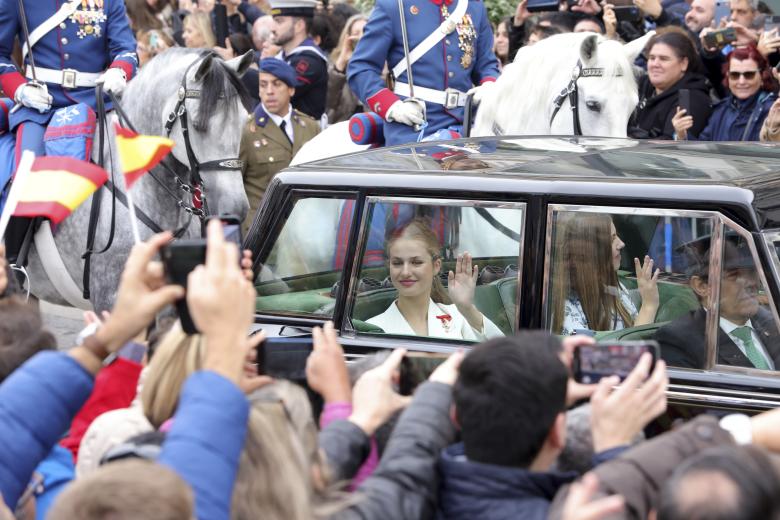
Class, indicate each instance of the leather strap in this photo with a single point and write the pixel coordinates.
(53, 21)
(445, 28)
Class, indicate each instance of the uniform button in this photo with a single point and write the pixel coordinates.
(449, 58)
(451, 74)
(64, 41)
(63, 26)
(446, 42)
(66, 56)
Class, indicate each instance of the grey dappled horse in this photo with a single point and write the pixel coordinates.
(215, 121)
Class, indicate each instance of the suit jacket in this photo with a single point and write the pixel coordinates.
(265, 150)
(683, 345)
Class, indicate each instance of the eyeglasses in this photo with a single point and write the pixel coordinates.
(748, 74)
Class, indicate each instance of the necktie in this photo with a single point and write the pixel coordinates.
(283, 126)
(751, 351)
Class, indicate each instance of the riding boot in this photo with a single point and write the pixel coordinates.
(15, 234)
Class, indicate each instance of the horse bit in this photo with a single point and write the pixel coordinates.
(199, 206)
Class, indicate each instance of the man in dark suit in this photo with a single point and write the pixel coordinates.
(747, 334)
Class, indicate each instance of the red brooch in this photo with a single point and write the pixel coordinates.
(445, 321)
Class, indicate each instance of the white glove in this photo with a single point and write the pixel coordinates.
(35, 96)
(113, 80)
(481, 91)
(407, 112)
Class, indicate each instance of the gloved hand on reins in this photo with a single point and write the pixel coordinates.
(113, 80)
(409, 112)
(34, 95)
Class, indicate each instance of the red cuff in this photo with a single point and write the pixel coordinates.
(125, 66)
(381, 101)
(10, 82)
(487, 80)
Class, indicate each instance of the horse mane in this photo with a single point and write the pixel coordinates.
(539, 72)
(218, 89)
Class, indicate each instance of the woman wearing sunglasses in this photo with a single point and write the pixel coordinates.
(738, 116)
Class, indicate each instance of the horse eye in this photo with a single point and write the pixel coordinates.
(593, 105)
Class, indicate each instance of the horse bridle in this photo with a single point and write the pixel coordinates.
(571, 92)
(195, 186)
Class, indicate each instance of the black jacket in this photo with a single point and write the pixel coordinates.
(652, 118)
(683, 345)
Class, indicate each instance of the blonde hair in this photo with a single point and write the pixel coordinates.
(281, 454)
(352, 20)
(177, 356)
(420, 229)
(201, 22)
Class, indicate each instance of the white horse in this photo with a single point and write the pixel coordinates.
(522, 100)
(216, 114)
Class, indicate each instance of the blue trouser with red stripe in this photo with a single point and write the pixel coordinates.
(29, 136)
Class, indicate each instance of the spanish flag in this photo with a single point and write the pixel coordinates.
(55, 186)
(139, 153)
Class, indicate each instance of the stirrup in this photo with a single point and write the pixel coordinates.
(21, 281)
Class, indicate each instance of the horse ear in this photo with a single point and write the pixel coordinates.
(588, 49)
(242, 63)
(204, 67)
(633, 48)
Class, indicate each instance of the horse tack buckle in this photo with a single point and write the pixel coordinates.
(69, 78)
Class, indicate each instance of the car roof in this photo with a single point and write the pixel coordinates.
(751, 166)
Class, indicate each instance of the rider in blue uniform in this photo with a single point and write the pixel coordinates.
(76, 44)
(460, 56)
(91, 41)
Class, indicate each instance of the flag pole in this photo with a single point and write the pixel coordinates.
(130, 201)
(22, 170)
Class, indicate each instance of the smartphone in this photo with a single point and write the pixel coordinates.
(722, 10)
(721, 38)
(628, 13)
(684, 100)
(284, 357)
(416, 368)
(231, 228)
(536, 6)
(612, 358)
(179, 259)
(772, 23)
(221, 23)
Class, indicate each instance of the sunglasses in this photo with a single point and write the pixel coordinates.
(748, 74)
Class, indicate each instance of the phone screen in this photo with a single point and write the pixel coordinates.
(592, 362)
(233, 233)
(627, 13)
(284, 357)
(535, 6)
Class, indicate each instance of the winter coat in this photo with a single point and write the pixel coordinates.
(735, 119)
(473, 490)
(652, 118)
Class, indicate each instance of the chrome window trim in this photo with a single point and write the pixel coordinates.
(610, 210)
(346, 326)
(728, 402)
(762, 276)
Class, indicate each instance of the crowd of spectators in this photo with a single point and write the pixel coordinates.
(174, 426)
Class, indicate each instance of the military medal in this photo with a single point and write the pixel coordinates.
(446, 321)
(89, 17)
(466, 36)
(257, 144)
(414, 9)
(445, 13)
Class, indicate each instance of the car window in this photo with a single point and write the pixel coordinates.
(438, 269)
(747, 332)
(303, 269)
(594, 286)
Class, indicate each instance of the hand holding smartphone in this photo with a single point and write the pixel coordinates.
(593, 362)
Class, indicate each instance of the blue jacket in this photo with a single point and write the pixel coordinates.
(39, 400)
(490, 492)
(474, 490)
(734, 119)
(86, 47)
(444, 66)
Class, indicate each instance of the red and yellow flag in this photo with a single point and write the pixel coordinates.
(55, 186)
(139, 153)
